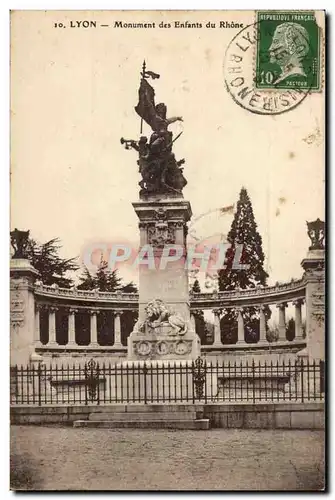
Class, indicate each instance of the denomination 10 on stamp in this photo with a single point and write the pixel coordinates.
(288, 51)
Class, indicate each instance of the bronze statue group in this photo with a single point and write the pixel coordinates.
(161, 173)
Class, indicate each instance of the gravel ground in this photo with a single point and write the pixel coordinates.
(63, 458)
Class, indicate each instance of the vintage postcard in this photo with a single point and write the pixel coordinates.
(167, 271)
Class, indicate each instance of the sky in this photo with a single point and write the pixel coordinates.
(73, 93)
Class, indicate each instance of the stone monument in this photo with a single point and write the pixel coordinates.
(163, 330)
(22, 303)
(314, 266)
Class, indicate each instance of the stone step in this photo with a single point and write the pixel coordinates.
(200, 424)
(152, 408)
(131, 416)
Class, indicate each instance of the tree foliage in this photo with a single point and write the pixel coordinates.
(246, 242)
(52, 269)
(130, 288)
(196, 286)
(243, 234)
(290, 329)
(87, 281)
(104, 280)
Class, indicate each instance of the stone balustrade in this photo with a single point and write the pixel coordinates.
(266, 295)
(50, 338)
(48, 318)
(74, 302)
(218, 314)
(73, 294)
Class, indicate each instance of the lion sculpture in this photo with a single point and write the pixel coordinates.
(158, 313)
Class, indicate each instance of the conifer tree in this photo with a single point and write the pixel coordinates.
(87, 281)
(129, 288)
(196, 287)
(199, 317)
(104, 280)
(246, 243)
(46, 260)
(290, 329)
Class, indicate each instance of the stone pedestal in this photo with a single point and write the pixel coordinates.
(22, 311)
(314, 266)
(163, 343)
(163, 277)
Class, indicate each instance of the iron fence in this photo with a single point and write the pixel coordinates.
(168, 382)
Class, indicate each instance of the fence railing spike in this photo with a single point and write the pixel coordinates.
(151, 381)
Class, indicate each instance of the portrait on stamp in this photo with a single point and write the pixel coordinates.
(289, 47)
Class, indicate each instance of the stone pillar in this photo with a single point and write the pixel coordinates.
(71, 339)
(37, 336)
(314, 276)
(298, 321)
(163, 222)
(117, 329)
(217, 328)
(52, 326)
(94, 328)
(163, 276)
(282, 322)
(240, 326)
(22, 311)
(262, 325)
(193, 321)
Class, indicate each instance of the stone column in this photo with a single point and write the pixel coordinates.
(314, 277)
(240, 326)
(94, 328)
(71, 340)
(262, 325)
(163, 226)
(117, 329)
(298, 321)
(163, 223)
(37, 331)
(282, 322)
(217, 328)
(22, 311)
(52, 326)
(193, 321)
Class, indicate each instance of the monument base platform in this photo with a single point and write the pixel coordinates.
(163, 345)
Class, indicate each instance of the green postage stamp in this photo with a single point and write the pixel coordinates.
(288, 51)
